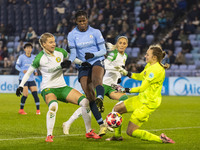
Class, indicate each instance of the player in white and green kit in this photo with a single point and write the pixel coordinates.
(50, 62)
(117, 57)
(149, 97)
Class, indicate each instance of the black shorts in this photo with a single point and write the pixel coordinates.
(87, 71)
(28, 83)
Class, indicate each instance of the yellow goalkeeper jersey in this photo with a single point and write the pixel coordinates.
(152, 80)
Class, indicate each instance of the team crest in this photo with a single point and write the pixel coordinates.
(91, 36)
(58, 59)
(145, 73)
(48, 89)
(151, 75)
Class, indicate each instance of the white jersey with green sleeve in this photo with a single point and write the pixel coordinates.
(113, 59)
(49, 66)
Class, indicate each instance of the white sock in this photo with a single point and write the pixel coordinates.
(86, 114)
(51, 117)
(76, 115)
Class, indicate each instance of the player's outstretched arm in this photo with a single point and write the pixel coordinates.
(19, 90)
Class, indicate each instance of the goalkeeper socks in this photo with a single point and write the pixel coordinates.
(96, 113)
(118, 132)
(100, 91)
(145, 135)
(23, 100)
(37, 101)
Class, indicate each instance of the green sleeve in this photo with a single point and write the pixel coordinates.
(36, 61)
(63, 51)
(112, 55)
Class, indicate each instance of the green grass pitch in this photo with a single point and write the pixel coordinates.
(177, 117)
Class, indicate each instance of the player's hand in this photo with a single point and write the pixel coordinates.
(88, 56)
(119, 80)
(121, 70)
(65, 64)
(24, 71)
(86, 64)
(19, 91)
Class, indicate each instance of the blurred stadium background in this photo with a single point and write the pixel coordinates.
(175, 24)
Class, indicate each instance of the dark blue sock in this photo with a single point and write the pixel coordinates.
(37, 101)
(96, 113)
(100, 91)
(23, 100)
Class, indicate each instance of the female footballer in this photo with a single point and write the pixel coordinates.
(149, 97)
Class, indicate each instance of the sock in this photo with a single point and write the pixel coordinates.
(123, 98)
(51, 116)
(145, 135)
(118, 131)
(76, 115)
(96, 113)
(23, 100)
(37, 101)
(84, 103)
(100, 91)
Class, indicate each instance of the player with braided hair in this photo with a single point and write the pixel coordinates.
(116, 57)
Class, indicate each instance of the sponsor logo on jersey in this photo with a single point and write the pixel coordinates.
(58, 59)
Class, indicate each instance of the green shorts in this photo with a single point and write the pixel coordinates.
(140, 111)
(108, 90)
(60, 93)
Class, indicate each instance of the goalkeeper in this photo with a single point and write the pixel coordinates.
(117, 57)
(149, 97)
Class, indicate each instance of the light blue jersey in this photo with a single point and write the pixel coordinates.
(23, 63)
(90, 41)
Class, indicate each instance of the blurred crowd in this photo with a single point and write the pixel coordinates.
(167, 20)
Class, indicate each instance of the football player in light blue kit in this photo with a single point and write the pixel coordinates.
(88, 45)
(23, 63)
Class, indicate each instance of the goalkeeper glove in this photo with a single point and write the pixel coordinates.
(119, 88)
(123, 71)
(88, 56)
(65, 64)
(19, 91)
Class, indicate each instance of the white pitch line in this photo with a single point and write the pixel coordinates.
(178, 128)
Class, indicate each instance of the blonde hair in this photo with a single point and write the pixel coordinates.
(43, 38)
(160, 54)
(111, 47)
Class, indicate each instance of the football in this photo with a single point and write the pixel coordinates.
(114, 119)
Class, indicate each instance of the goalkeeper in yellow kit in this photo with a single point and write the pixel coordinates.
(149, 97)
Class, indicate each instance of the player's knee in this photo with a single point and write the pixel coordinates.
(84, 102)
(53, 106)
(117, 108)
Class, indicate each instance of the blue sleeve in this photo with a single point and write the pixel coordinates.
(72, 47)
(102, 50)
(18, 64)
(100, 43)
(72, 54)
